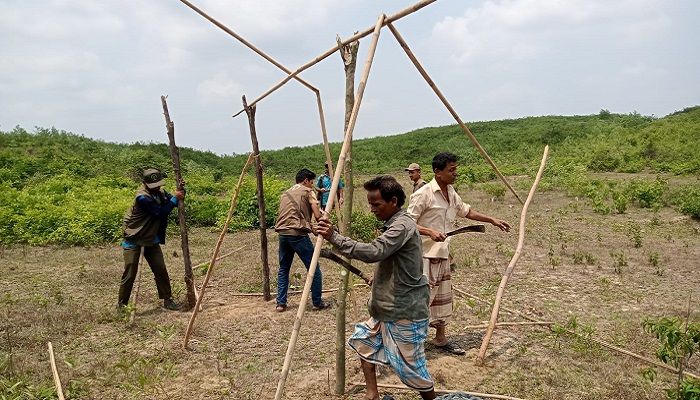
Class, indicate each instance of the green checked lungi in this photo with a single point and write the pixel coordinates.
(398, 344)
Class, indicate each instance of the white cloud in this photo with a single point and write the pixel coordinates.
(219, 87)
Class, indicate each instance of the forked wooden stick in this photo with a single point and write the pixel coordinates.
(444, 391)
(231, 208)
(511, 265)
(452, 111)
(331, 201)
(54, 370)
(602, 343)
(406, 11)
(138, 286)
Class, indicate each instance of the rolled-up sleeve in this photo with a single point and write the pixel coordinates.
(462, 207)
(380, 248)
(416, 205)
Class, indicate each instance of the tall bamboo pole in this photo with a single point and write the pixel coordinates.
(329, 206)
(250, 111)
(327, 149)
(175, 156)
(348, 54)
(452, 111)
(511, 265)
(406, 11)
(54, 371)
(217, 248)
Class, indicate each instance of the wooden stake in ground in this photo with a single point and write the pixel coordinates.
(175, 156)
(348, 53)
(452, 111)
(261, 199)
(54, 370)
(217, 248)
(329, 206)
(138, 286)
(511, 265)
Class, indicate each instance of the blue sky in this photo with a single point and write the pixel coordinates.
(98, 68)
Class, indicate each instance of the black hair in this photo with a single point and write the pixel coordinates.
(441, 160)
(388, 187)
(305, 174)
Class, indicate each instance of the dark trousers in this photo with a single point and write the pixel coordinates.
(154, 256)
(302, 246)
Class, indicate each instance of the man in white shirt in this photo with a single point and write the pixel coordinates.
(435, 207)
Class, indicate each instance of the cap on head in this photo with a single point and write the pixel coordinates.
(153, 178)
(412, 167)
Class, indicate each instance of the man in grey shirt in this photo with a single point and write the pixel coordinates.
(398, 306)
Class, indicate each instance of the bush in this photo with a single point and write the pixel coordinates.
(687, 199)
(648, 194)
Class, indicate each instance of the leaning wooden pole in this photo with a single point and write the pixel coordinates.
(54, 371)
(511, 265)
(181, 216)
(250, 110)
(217, 248)
(452, 111)
(331, 201)
(327, 149)
(348, 53)
(135, 302)
(394, 17)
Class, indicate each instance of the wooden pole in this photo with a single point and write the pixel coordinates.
(348, 53)
(502, 324)
(331, 201)
(54, 370)
(406, 11)
(247, 44)
(452, 111)
(327, 149)
(261, 199)
(175, 156)
(231, 208)
(444, 391)
(219, 258)
(138, 286)
(511, 265)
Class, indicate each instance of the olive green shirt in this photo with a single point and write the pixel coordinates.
(399, 290)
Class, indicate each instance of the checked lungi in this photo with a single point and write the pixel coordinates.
(440, 281)
(398, 344)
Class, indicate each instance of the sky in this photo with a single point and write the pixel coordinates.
(98, 68)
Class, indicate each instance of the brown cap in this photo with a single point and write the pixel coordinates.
(153, 178)
(412, 167)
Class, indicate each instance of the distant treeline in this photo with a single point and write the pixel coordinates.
(57, 187)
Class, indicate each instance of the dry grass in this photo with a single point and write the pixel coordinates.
(572, 267)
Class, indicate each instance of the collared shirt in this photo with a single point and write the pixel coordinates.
(399, 290)
(429, 208)
(418, 184)
(295, 212)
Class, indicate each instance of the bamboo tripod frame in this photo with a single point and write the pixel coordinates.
(314, 89)
(329, 206)
(217, 248)
(513, 261)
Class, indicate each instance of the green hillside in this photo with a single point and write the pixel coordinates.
(57, 187)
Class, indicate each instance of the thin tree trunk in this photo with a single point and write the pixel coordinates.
(348, 53)
(181, 216)
(250, 111)
(331, 201)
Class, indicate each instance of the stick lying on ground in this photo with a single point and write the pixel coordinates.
(470, 228)
(444, 391)
(327, 253)
(54, 370)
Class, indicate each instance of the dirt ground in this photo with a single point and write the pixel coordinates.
(608, 272)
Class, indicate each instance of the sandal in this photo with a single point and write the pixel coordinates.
(451, 348)
(281, 308)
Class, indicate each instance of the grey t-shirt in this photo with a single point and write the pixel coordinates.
(399, 290)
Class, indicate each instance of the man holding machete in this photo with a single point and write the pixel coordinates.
(398, 308)
(435, 207)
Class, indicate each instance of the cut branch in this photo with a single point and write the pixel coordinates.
(444, 391)
(182, 218)
(231, 208)
(331, 201)
(54, 370)
(511, 265)
(452, 111)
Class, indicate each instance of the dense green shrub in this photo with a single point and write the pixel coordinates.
(687, 199)
(648, 194)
